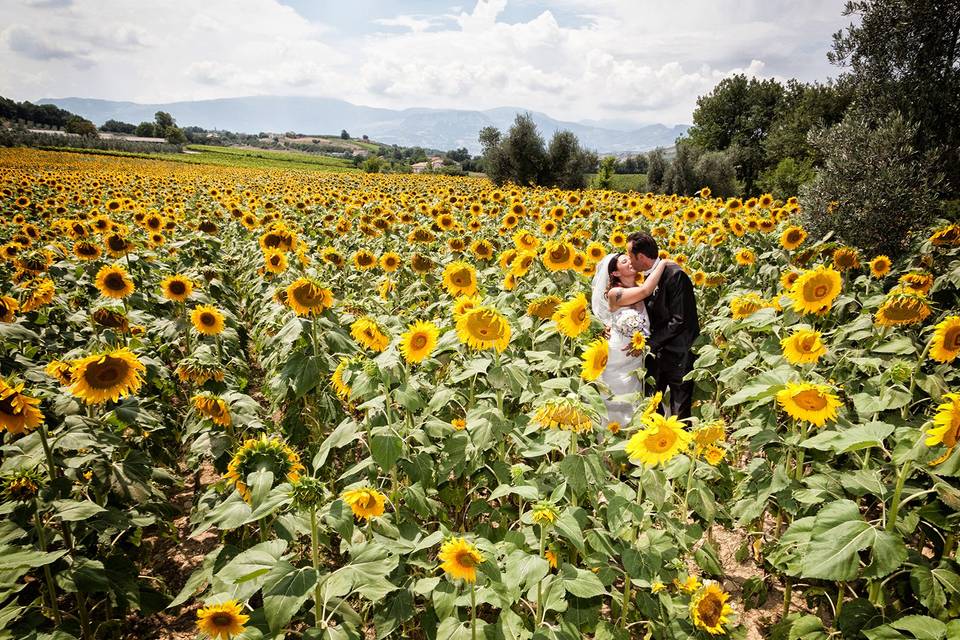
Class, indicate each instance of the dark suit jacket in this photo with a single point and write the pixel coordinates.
(673, 313)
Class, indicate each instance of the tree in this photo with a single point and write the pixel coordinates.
(524, 147)
(875, 191)
(459, 155)
(656, 168)
(803, 108)
(787, 177)
(117, 126)
(146, 130)
(566, 162)
(680, 177)
(81, 126)
(344, 135)
(715, 169)
(163, 120)
(738, 114)
(604, 179)
(373, 164)
(904, 56)
(175, 135)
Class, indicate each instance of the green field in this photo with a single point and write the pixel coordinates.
(624, 181)
(232, 157)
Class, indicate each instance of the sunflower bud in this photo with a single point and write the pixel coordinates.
(307, 492)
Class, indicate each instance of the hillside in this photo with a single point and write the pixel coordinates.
(434, 128)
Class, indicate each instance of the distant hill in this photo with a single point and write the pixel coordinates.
(434, 128)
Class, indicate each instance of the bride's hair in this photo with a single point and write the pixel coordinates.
(612, 277)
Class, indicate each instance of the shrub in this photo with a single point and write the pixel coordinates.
(875, 190)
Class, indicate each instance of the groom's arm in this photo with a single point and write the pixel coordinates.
(678, 291)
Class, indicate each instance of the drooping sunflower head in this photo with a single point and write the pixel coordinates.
(803, 346)
(572, 316)
(113, 282)
(365, 502)
(918, 282)
(367, 332)
(814, 403)
(207, 320)
(659, 442)
(308, 298)
(544, 513)
(21, 485)
(903, 306)
(880, 266)
(845, 258)
(709, 609)
(419, 341)
(340, 386)
(460, 558)
(558, 255)
(19, 412)
(8, 308)
(946, 237)
(594, 359)
(544, 307)
(709, 434)
(177, 288)
(364, 260)
(946, 340)
(563, 413)
(745, 257)
(223, 621)
(815, 290)
(213, 407)
(107, 376)
(746, 305)
(483, 328)
(263, 454)
(460, 278)
(111, 319)
(60, 371)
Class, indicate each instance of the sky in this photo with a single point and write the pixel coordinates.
(601, 61)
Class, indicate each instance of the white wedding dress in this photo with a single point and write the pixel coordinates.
(624, 372)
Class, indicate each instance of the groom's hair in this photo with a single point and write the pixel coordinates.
(644, 243)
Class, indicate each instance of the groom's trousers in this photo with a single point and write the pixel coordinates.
(668, 370)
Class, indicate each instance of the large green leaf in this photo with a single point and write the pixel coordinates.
(285, 589)
(581, 582)
(839, 533)
(386, 450)
(76, 510)
(242, 576)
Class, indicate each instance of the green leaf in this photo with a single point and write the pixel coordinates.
(285, 589)
(708, 560)
(242, 576)
(839, 534)
(569, 528)
(581, 582)
(76, 510)
(852, 439)
(919, 627)
(344, 434)
(17, 557)
(887, 554)
(198, 579)
(386, 450)
(764, 386)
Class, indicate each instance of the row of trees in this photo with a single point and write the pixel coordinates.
(163, 126)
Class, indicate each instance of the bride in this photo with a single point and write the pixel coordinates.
(617, 301)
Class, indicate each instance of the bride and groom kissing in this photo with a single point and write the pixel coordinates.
(662, 308)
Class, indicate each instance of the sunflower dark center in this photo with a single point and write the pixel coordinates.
(114, 282)
(178, 288)
(107, 373)
(207, 319)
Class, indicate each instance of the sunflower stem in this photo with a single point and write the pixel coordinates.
(895, 501)
(787, 594)
(626, 600)
(838, 609)
(315, 553)
(473, 611)
(913, 378)
(48, 577)
(540, 582)
(686, 491)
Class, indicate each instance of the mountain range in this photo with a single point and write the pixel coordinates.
(430, 128)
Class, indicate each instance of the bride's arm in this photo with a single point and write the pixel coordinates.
(626, 296)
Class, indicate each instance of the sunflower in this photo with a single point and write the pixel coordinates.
(460, 278)
(946, 340)
(564, 414)
(543, 307)
(845, 258)
(207, 320)
(263, 454)
(522, 263)
(191, 369)
(572, 317)
(107, 376)
(880, 266)
(60, 371)
(481, 249)
(659, 442)
(18, 412)
(903, 306)
(365, 503)
(364, 260)
(714, 455)
(86, 250)
(595, 359)
(462, 304)
(177, 288)
(275, 261)
(638, 341)
(544, 513)
(809, 401)
(483, 328)
(213, 407)
(709, 609)
(709, 435)
(803, 346)
(419, 341)
(458, 424)
(745, 257)
(366, 331)
(946, 430)
(341, 388)
(390, 262)
(947, 236)
(8, 308)
(746, 305)
(558, 255)
(459, 558)
(113, 282)
(308, 298)
(596, 251)
(792, 237)
(918, 282)
(223, 621)
(815, 290)
(117, 245)
(523, 240)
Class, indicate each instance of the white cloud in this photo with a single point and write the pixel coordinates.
(644, 61)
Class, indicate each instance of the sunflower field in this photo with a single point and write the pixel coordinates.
(239, 403)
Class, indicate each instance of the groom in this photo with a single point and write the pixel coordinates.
(673, 324)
